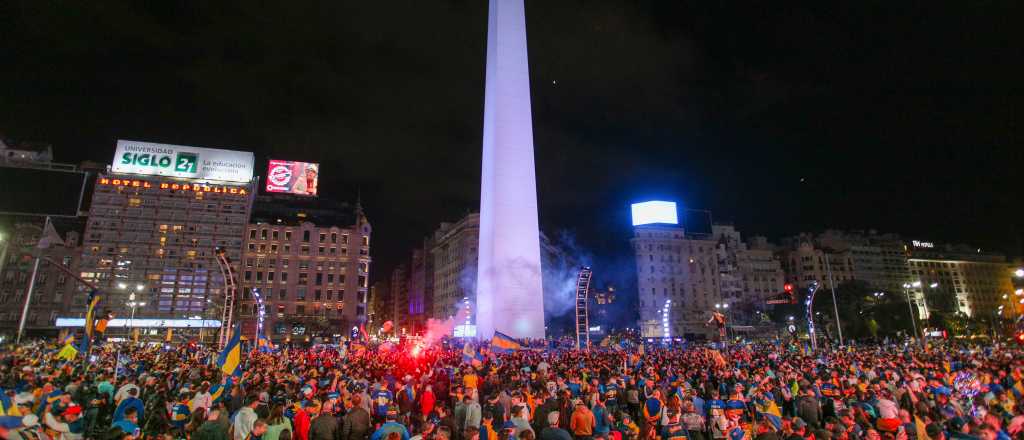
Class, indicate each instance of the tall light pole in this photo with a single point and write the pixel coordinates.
(132, 303)
(910, 306)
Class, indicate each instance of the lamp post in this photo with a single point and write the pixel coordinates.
(724, 307)
(910, 305)
(132, 302)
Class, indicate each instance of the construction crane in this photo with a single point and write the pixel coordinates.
(582, 315)
(229, 297)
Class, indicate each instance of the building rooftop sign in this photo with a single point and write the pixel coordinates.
(655, 212)
(205, 164)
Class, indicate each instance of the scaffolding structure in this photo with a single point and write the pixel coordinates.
(582, 315)
(229, 297)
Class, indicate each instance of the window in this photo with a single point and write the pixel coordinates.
(330, 293)
(270, 276)
(300, 310)
(316, 295)
(274, 235)
(334, 237)
(280, 307)
(248, 275)
(303, 278)
(284, 277)
(366, 240)
(259, 276)
(330, 278)
(282, 294)
(323, 237)
(252, 234)
(320, 250)
(288, 235)
(263, 234)
(319, 278)
(305, 236)
(300, 294)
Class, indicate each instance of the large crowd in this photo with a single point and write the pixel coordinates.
(405, 391)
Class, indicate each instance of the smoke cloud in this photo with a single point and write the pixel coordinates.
(560, 266)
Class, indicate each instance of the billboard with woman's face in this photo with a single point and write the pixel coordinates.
(299, 178)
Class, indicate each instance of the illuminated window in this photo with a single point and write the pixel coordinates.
(178, 228)
(163, 228)
(134, 202)
(191, 255)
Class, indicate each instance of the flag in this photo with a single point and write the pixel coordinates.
(470, 356)
(503, 343)
(90, 314)
(217, 391)
(68, 352)
(768, 407)
(5, 403)
(263, 344)
(362, 331)
(68, 339)
(231, 358)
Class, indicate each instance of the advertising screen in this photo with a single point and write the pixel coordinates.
(148, 158)
(655, 212)
(299, 178)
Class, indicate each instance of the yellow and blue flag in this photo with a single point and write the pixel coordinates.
(503, 343)
(68, 339)
(90, 313)
(5, 403)
(231, 358)
(90, 322)
(263, 343)
(67, 353)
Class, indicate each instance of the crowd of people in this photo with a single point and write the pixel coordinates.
(414, 392)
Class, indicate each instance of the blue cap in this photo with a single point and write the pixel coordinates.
(736, 434)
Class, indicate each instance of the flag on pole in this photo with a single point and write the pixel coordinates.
(90, 317)
(471, 356)
(263, 343)
(503, 343)
(231, 358)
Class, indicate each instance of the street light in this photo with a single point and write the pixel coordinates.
(132, 302)
(910, 306)
(1019, 273)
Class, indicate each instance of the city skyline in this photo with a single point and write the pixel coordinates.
(638, 105)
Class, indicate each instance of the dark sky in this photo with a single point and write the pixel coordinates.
(778, 116)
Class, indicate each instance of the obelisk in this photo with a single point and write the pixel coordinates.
(509, 295)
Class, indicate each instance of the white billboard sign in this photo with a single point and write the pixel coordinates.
(134, 157)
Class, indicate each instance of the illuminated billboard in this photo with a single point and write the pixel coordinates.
(134, 157)
(655, 212)
(299, 178)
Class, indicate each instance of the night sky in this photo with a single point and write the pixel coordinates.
(900, 116)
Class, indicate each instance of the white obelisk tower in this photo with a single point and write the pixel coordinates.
(509, 295)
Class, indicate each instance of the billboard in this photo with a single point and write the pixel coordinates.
(299, 178)
(652, 212)
(34, 191)
(134, 157)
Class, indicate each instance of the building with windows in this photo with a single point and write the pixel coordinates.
(421, 290)
(750, 274)
(54, 293)
(678, 281)
(454, 253)
(151, 225)
(310, 259)
(953, 279)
